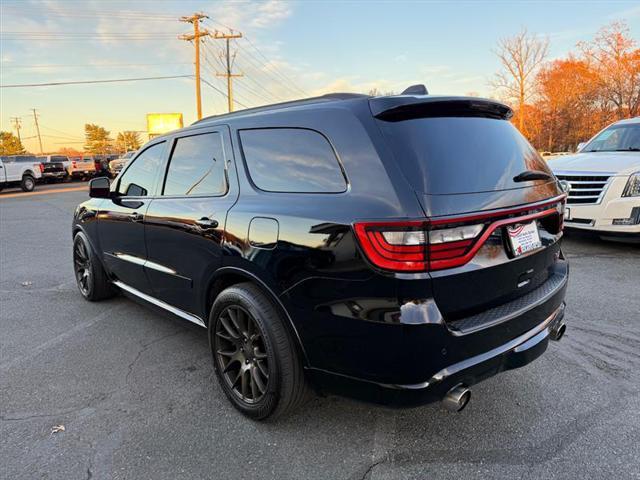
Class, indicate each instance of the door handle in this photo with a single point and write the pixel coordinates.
(207, 223)
(136, 217)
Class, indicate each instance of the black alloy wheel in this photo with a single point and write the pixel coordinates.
(255, 357)
(241, 354)
(91, 278)
(82, 266)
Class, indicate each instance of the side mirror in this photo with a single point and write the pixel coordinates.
(581, 146)
(99, 187)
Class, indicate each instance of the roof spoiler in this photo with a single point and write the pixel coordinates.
(397, 108)
(418, 89)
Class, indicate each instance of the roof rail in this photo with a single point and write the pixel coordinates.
(277, 106)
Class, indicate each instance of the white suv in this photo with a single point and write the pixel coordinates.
(604, 182)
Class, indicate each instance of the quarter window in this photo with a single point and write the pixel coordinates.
(291, 160)
(139, 178)
(197, 166)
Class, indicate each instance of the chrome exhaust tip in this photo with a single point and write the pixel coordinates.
(557, 332)
(457, 398)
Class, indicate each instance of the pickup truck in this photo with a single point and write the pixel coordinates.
(81, 167)
(115, 166)
(54, 167)
(20, 170)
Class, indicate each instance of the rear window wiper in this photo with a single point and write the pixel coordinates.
(528, 175)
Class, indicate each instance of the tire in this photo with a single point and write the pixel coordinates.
(269, 346)
(91, 279)
(28, 183)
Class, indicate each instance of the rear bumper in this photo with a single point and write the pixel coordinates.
(514, 354)
(418, 360)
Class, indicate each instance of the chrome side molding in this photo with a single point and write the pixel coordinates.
(145, 263)
(159, 303)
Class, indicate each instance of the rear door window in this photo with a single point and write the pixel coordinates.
(446, 155)
(197, 166)
(292, 160)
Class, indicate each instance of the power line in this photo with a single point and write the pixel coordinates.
(106, 14)
(79, 82)
(270, 72)
(220, 91)
(94, 65)
(277, 98)
(70, 135)
(213, 70)
(275, 69)
(65, 33)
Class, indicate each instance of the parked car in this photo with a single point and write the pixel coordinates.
(54, 167)
(604, 181)
(397, 249)
(115, 166)
(20, 170)
(82, 167)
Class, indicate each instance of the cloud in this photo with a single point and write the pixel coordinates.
(625, 14)
(242, 15)
(435, 70)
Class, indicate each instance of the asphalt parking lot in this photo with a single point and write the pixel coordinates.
(136, 394)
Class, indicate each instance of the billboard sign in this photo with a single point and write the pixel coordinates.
(161, 123)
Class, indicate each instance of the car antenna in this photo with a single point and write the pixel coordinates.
(418, 89)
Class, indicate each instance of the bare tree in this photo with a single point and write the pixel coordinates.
(375, 92)
(615, 57)
(520, 57)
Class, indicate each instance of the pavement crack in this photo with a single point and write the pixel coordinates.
(146, 347)
(5, 418)
(368, 470)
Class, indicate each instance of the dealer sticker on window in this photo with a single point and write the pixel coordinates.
(524, 237)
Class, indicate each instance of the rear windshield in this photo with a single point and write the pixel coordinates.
(445, 155)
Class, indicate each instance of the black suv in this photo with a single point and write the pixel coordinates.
(396, 249)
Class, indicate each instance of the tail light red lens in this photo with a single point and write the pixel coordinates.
(396, 246)
(41, 168)
(410, 246)
(420, 246)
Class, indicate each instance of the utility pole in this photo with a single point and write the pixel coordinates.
(35, 119)
(197, 33)
(228, 74)
(17, 126)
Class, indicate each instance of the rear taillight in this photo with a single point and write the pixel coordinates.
(396, 246)
(411, 246)
(420, 246)
(41, 168)
(450, 246)
(74, 164)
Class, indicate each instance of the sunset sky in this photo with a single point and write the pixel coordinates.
(290, 49)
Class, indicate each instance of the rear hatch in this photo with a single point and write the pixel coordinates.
(492, 232)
